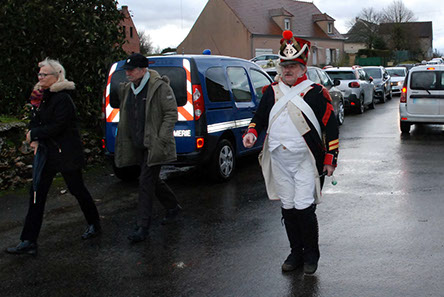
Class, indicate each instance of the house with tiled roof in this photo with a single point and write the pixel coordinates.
(416, 37)
(132, 41)
(248, 28)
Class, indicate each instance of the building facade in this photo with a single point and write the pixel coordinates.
(249, 28)
(132, 41)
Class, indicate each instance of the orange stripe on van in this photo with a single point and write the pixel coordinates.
(183, 112)
(112, 115)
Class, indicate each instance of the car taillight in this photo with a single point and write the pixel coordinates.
(354, 84)
(198, 101)
(403, 98)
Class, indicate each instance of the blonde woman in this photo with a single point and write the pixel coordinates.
(53, 130)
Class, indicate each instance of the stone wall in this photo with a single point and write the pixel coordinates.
(16, 156)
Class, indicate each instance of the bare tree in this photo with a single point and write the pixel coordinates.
(370, 15)
(397, 12)
(364, 28)
(146, 45)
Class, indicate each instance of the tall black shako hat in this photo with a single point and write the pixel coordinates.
(135, 61)
(293, 49)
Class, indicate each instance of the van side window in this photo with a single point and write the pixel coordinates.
(217, 87)
(239, 84)
(259, 80)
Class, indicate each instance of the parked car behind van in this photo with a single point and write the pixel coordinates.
(406, 66)
(397, 75)
(355, 85)
(264, 60)
(319, 76)
(422, 97)
(382, 82)
(216, 98)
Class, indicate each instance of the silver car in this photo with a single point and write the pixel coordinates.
(398, 76)
(382, 82)
(356, 87)
(266, 60)
(319, 76)
(422, 97)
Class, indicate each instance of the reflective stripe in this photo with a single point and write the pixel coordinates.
(186, 112)
(213, 128)
(112, 114)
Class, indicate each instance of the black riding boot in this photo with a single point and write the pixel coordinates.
(308, 223)
(295, 259)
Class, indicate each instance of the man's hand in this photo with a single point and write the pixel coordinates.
(329, 168)
(249, 140)
(34, 145)
(28, 136)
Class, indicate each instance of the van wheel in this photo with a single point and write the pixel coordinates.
(223, 161)
(127, 174)
(405, 127)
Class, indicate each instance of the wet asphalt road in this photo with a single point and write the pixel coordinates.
(380, 229)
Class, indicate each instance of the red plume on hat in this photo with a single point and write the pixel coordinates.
(293, 49)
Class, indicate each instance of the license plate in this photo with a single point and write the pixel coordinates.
(425, 101)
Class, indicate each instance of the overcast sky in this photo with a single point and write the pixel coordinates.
(169, 21)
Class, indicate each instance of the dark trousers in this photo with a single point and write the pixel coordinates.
(150, 186)
(76, 187)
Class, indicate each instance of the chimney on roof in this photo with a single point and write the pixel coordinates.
(124, 8)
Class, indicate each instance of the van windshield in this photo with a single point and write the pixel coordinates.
(427, 80)
(342, 75)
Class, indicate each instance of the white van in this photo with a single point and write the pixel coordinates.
(422, 97)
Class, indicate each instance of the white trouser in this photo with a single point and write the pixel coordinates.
(293, 174)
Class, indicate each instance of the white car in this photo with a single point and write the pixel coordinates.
(422, 97)
(356, 87)
(398, 76)
(266, 60)
(439, 60)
